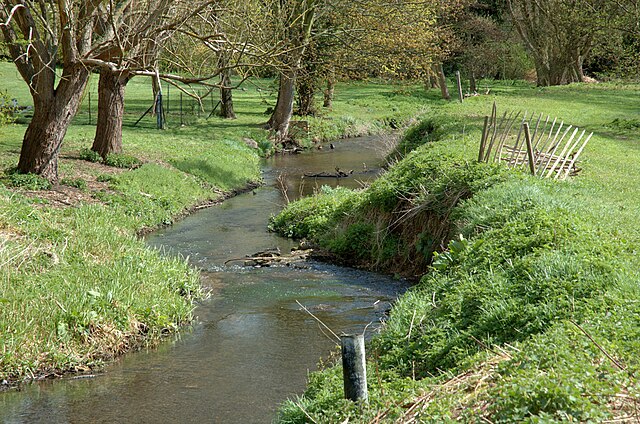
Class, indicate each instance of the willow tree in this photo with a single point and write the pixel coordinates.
(233, 37)
(400, 39)
(560, 34)
(56, 45)
(297, 17)
(37, 35)
(138, 40)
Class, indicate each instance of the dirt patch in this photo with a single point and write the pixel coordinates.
(76, 169)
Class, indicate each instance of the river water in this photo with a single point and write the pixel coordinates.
(252, 346)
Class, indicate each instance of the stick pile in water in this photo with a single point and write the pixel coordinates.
(547, 148)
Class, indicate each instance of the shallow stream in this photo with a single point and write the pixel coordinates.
(252, 346)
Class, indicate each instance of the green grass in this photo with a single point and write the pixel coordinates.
(77, 286)
(528, 267)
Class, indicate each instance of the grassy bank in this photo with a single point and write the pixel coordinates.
(77, 285)
(527, 308)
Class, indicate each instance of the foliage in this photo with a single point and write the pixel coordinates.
(313, 215)
(560, 35)
(7, 110)
(89, 155)
(78, 183)
(27, 181)
(121, 160)
(426, 131)
(398, 40)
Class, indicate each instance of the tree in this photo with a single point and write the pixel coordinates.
(35, 39)
(138, 39)
(298, 17)
(55, 45)
(559, 34)
(111, 89)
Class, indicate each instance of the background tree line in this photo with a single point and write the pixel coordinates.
(307, 44)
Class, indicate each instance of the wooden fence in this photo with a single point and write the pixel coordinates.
(547, 148)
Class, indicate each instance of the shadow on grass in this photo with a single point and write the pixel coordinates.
(210, 172)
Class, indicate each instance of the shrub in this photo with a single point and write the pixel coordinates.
(121, 160)
(311, 216)
(7, 110)
(426, 131)
(355, 242)
(28, 181)
(266, 148)
(78, 183)
(89, 155)
(105, 178)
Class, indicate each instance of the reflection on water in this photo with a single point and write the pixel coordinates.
(252, 346)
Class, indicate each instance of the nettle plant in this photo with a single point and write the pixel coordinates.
(7, 109)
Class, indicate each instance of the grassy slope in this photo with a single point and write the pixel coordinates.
(76, 284)
(496, 331)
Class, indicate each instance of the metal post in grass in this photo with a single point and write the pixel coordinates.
(159, 112)
(181, 121)
(527, 137)
(89, 106)
(354, 368)
(459, 81)
(168, 99)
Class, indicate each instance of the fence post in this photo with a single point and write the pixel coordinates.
(168, 99)
(354, 367)
(89, 105)
(459, 86)
(159, 112)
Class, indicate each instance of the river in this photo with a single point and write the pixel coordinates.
(251, 346)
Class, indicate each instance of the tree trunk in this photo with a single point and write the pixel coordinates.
(306, 92)
(558, 73)
(433, 81)
(329, 91)
(52, 113)
(226, 96)
(281, 116)
(111, 87)
(472, 83)
(442, 81)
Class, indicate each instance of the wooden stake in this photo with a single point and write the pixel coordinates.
(527, 137)
(484, 139)
(459, 86)
(493, 135)
(575, 157)
(566, 155)
(354, 368)
(564, 151)
(554, 144)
